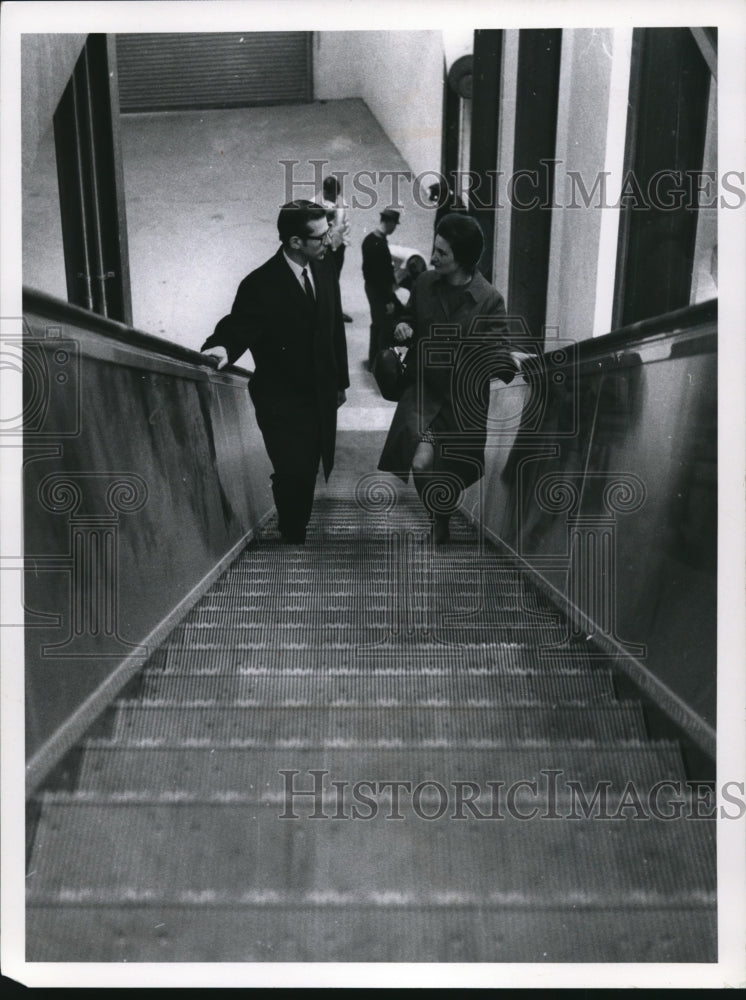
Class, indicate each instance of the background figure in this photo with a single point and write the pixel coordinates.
(448, 397)
(380, 283)
(289, 315)
(447, 202)
(408, 266)
(338, 218)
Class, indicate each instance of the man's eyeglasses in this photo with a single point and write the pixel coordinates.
(320, 239)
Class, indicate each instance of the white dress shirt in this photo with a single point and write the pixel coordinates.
(297, 270)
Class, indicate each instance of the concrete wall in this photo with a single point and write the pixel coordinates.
(505, 155)
(47, 62)
(591, 129)
(591, 132)
(581, 147)
(202, 188)
(399, 75)
(705, 270)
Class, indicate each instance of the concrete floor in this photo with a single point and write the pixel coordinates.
(202, 192)
(203, 189)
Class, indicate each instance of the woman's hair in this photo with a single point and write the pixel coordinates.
(416, 264)
(465, 238)
(330, 187)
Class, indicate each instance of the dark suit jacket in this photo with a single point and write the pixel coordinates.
(300, 351)
(378, 268)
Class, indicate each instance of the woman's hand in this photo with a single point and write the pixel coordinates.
(528, 365)
(403, 332)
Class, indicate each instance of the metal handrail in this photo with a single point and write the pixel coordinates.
(49, 307)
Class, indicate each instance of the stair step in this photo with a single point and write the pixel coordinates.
(364, 613)
(308, 661)
(373, 560)
(257, 590)
(111, 767)
(474, 574)
(355, 726)
(234, 852)
(391, 686)
(334, 634)
(357, 542)
(403, 654)
(256, 594)
(356, 586)
(352, 933)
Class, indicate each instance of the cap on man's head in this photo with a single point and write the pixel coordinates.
(390, 213)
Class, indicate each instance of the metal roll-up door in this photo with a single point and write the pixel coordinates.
(160, 72)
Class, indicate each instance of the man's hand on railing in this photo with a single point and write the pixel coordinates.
(219, 354)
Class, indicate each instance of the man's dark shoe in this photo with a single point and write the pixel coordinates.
(293, 538)
(441, 529)
(291, 534)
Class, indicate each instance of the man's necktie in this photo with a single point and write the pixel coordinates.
(307, 286)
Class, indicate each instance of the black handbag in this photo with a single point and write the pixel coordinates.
(390, 372)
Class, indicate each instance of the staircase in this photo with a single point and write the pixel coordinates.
(368, 749)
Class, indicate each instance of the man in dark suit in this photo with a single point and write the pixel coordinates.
(380, 283)
(289, 315)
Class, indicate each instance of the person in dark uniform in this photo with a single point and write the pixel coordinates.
(380, 283)
(289, 315)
